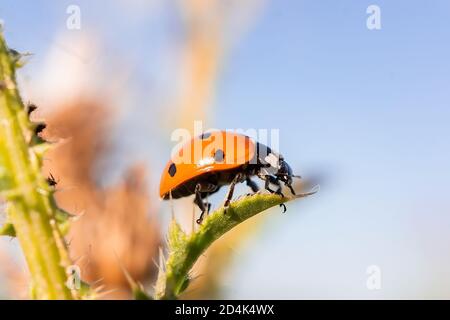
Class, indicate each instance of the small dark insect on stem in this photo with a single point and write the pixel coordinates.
(51, 180)
(39, 128)
(30, 108)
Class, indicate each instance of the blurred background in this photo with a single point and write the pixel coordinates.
(364, 113)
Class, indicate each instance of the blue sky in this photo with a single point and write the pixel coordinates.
(367, 110)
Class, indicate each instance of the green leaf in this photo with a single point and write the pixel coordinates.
(184, 250)
(31, 208)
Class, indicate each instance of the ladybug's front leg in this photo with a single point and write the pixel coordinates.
(273, 180)
(290, 188)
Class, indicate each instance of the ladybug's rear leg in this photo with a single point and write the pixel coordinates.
(204, 206)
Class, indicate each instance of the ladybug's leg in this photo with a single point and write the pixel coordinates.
(277, 183)
(252, 185)
(266, 179)
(290, 188)
(199, 201)
(273, 180)
(229, 196)
(267, 184)
(205, 207)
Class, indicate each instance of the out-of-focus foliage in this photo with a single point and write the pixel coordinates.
(116, 227)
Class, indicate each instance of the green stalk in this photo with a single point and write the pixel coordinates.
(184, 250)
(31, 208)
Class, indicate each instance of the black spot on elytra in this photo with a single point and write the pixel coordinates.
(219, 155)
(205, 135)
(172, 169)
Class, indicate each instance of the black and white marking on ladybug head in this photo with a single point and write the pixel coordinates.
(273, 160)
(277, 166)
(284, 172)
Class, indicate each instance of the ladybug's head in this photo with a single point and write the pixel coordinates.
(284, 172)
(274, 164)
(277, 166)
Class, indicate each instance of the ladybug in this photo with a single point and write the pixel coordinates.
(214, 159)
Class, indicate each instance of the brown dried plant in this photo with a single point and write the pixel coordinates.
(116, 229)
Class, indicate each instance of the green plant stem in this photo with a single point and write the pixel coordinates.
(30, 206)
(184, 250)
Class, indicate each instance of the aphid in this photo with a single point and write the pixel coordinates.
(51, 180)
(39, 128)
(215, 167)
(30, 108)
